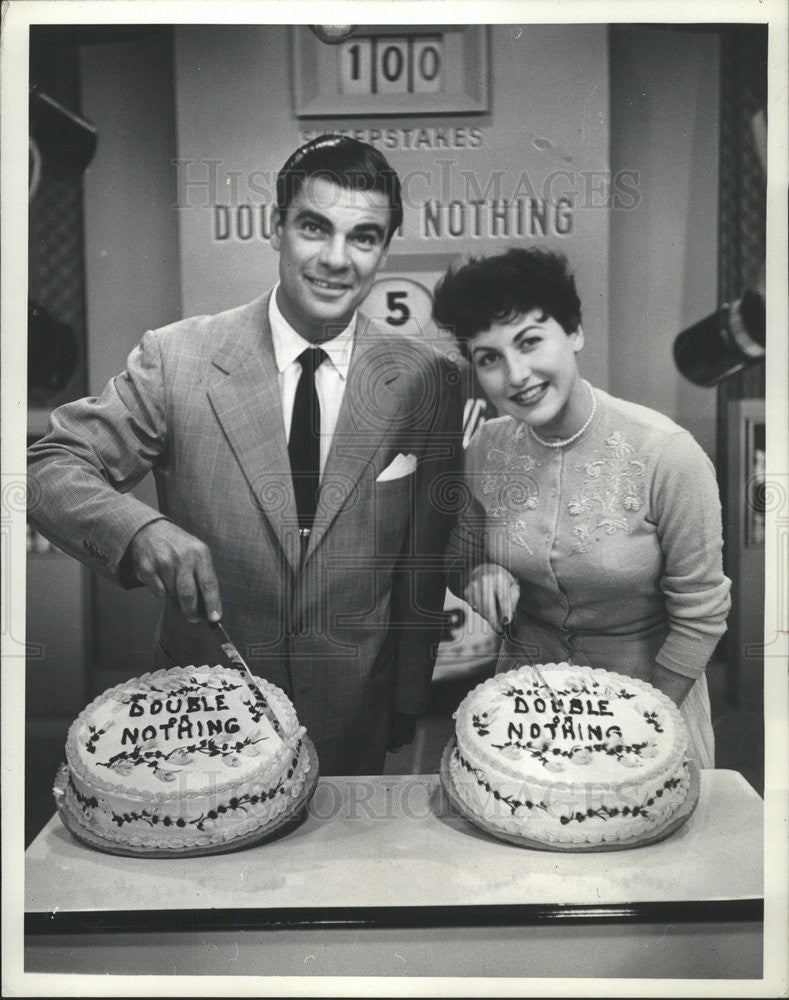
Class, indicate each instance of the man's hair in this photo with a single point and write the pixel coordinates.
(469, 299)
(347, 162)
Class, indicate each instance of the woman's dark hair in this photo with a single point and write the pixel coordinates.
(489, 290)
(350, 164)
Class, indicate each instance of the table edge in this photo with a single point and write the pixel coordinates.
(323, 918)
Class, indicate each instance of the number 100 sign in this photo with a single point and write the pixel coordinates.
(391, 65)
(392, 69)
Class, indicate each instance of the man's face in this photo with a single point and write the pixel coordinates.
(331, 243)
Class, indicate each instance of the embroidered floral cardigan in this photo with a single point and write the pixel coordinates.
(618, 534)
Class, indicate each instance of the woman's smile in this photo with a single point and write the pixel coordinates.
(530, 395)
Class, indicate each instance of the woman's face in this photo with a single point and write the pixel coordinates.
(527, 368)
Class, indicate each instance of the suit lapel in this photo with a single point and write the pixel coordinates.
(245, 397)
(370, 405)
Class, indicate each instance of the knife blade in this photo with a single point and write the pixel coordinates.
(543, 681)
(507, 636)
(238, 661)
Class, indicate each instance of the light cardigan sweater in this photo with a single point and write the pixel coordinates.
(615, 540)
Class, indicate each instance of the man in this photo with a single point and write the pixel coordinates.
(323, 556)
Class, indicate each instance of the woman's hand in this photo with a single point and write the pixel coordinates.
(493, 593)
(676, 686)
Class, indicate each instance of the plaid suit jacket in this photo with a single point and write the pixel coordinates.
(349, 629)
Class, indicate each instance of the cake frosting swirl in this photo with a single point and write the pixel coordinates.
(594, 757)
(183, 758)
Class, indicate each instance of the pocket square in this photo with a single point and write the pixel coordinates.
(402, 465)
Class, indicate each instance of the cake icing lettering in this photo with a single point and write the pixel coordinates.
(181, 706)
(515, 731)
(567, 728)
(194, 703)
(185, 729)
(576, 706)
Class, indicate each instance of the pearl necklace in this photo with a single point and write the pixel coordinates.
(563, 442)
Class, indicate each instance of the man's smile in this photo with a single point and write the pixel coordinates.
(328, 286)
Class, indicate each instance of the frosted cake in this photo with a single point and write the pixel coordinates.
(600, 758)
(183, 758)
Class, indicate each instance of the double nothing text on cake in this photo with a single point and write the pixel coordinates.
(593, 758)
(183, 758)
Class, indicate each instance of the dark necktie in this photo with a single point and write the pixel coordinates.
(304, 446)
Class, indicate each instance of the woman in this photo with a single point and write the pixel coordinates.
(593, 533)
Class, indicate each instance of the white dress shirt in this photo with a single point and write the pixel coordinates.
(330, 378)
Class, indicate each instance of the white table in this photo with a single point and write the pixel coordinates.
(383, 878)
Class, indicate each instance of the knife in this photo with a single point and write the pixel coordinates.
(507, 636)
(240, 663)
(543, 681)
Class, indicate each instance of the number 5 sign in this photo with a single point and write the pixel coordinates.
(402, 305)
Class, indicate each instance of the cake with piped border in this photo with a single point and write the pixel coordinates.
(589, 757)
(183, 759)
